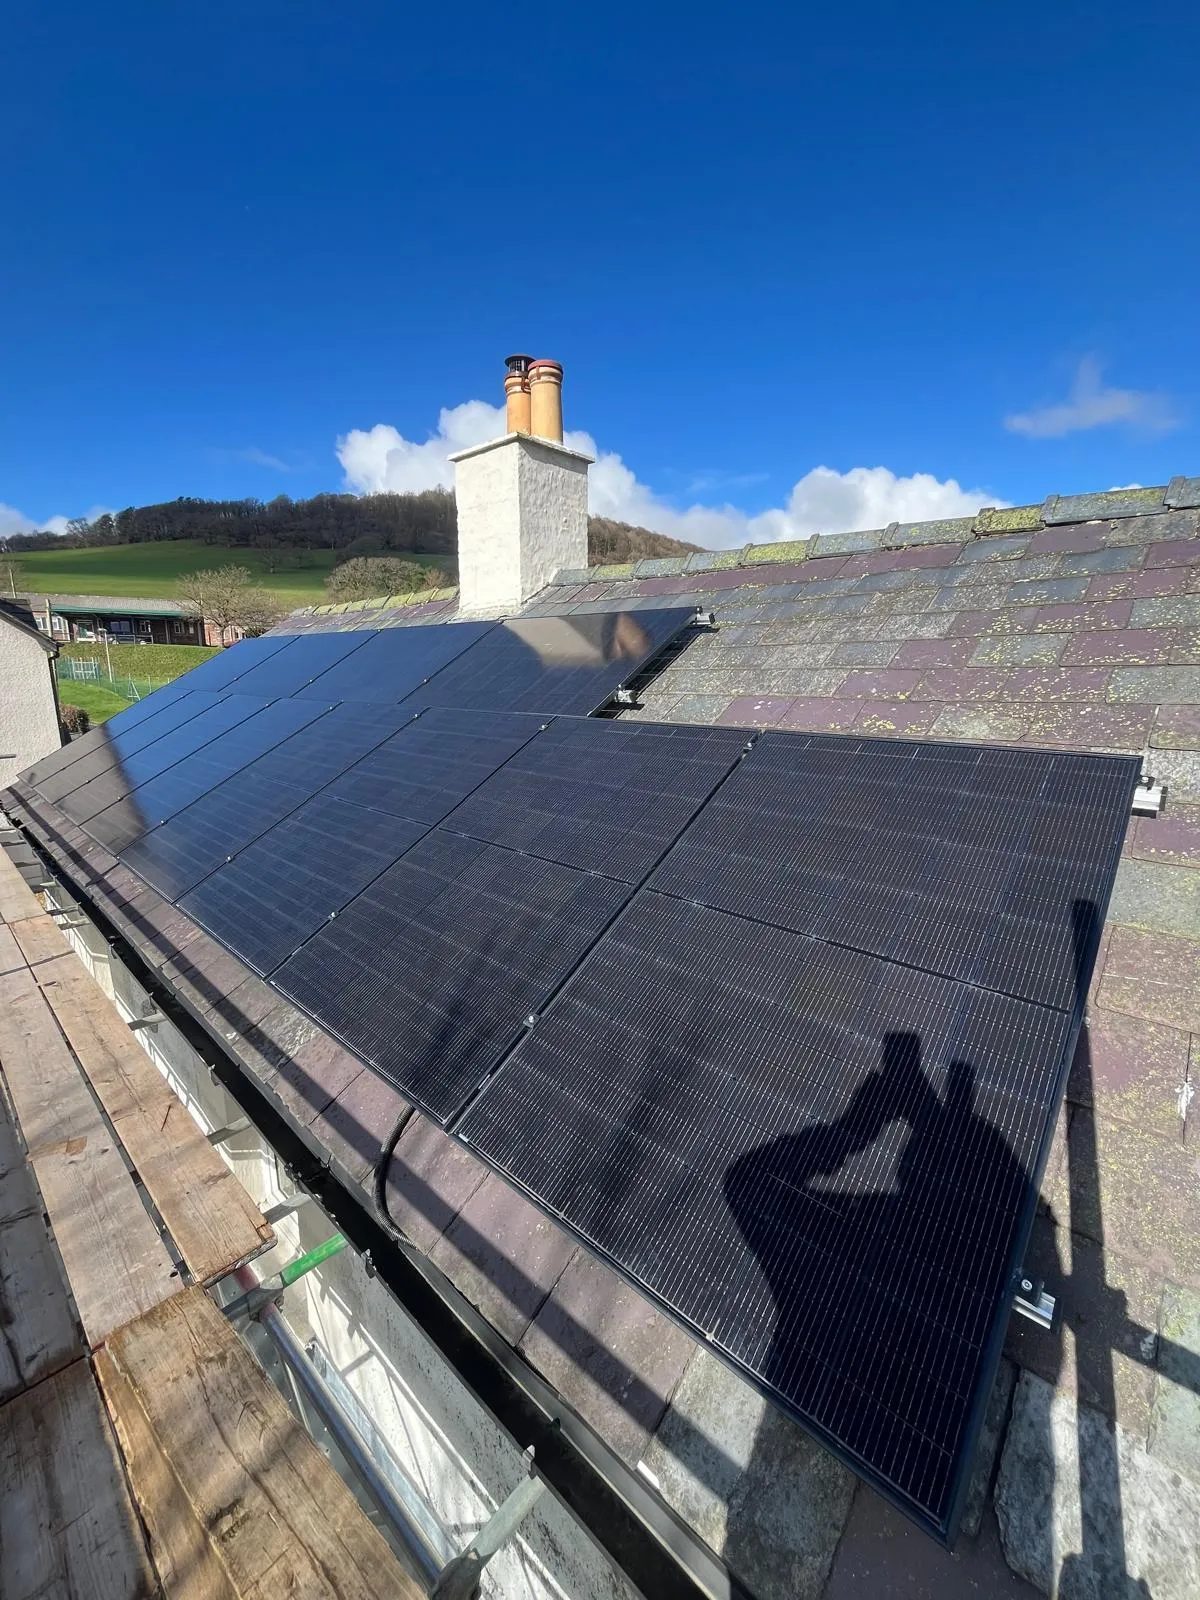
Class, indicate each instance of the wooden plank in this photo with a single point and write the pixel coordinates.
(15, 976)
(48, 1091)
(67, 1525)
(38, 1332)
(116, 1264)
(212, 1219)
(41, 939)
(185, 1561)
(17, 899)
(283, 1521)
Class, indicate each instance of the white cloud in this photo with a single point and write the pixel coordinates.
(380, 459)
(1094, 404)
(14, 521)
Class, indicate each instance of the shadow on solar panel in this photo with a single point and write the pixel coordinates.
(821, 1159)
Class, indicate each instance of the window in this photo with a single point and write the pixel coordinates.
(120, 625)
(182, 629)
(143, 626)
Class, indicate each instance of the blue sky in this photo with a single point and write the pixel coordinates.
(953, 244)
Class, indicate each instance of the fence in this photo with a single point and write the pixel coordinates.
(89, 669)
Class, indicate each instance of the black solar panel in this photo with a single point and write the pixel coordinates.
(435, 762)
(821, 1159)
(131, 735)
(279, 890)
(908, 851)
(161, 797)
(429, 974)
(174, 856)
(147, 760)
(570, 664)
(395, 661)
(598, 795)
(286, 672)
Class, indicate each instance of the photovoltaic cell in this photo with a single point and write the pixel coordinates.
(289, 882)
(174, 856)
(239, 660)
(424, 771)
(602, 796)
(429, 974)
(148, 759)
(821, 1157)
(908, 851)
(571, 664)
(162, 797)
(131, 736)
(395, 661)
(285, 672)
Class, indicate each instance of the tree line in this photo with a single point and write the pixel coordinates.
(352, 525)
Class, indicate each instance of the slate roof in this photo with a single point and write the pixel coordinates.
(1075, 624)
(110, 605)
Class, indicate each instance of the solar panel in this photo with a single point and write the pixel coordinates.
(285, 672)
(395, 661)
(820, 1158)
(435, 762)
(281, 888)
(154, 721)
(238, 660)
(161, 797)
(909, 852)
(598, 795)
(174, 856)
(429, 974)
(147, 759)
(571, 664)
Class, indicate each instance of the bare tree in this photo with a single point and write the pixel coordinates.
(226, 598)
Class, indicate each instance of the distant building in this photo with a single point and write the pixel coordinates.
(73, 618)
(29, 726)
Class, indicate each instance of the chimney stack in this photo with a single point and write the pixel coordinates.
(522, 499)
(545, 397)
(516, 393)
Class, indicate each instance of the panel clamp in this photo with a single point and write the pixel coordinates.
(1032, 1301)
(1148, 798)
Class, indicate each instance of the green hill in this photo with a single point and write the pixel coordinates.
(152, 571)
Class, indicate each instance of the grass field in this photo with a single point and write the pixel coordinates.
(152, 571)
(158, 662)
(99, 703)
(149, 665)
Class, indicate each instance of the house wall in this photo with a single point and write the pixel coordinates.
(28, 704)
(419, 1410)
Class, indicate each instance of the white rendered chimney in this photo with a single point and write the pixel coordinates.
(522, 504)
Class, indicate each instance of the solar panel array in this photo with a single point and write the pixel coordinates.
(778, 1026)
(843, 1009)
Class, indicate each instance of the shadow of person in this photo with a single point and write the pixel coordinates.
(877, 1234)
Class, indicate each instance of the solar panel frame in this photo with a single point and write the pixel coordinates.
(1013, 1096)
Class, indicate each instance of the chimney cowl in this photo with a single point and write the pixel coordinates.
(519, 364)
